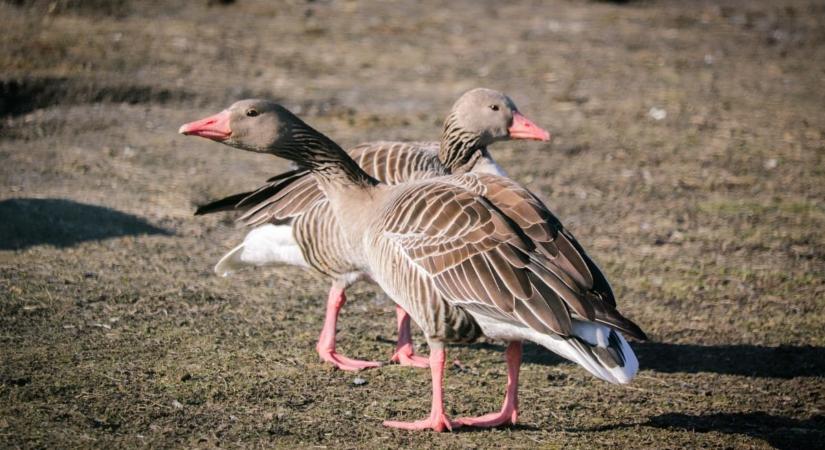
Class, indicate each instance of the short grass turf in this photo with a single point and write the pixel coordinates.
(688, 157)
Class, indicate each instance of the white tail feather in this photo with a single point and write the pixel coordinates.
(230, 262)
(265, 245)
(594, 349)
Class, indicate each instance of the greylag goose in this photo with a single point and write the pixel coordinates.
(294, 224)
(465, 255)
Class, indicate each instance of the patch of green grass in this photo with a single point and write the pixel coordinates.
(784, 208)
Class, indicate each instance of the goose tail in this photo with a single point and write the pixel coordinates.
(599, 349)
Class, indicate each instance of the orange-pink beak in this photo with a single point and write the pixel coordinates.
(524, 128)
(214, 127)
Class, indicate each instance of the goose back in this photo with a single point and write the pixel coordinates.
(491, 248)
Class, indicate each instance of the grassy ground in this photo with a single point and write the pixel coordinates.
(709, 221)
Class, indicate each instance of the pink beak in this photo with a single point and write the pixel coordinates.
(213, 127)
(523, 128)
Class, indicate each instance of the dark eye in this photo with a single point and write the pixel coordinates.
(494, 107)
(251, 112)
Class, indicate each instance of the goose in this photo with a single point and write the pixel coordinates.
(294, 224)
(466, 255)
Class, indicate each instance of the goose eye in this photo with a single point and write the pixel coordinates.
(494, 107)
(251, 112)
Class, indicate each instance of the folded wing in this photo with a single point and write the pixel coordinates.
(495, 249)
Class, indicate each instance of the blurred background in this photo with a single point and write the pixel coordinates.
(688, 158)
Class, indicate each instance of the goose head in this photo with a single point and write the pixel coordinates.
(487, 116)
(253, 124)
(264, 126)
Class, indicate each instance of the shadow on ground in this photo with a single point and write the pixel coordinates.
(780, 432)
(784, 433)
(20, 96)
(63, 223)
(745, 360)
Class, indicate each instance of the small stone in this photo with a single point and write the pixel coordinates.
(359, 381)
(177, 405)
(771, 164)
(657, 113)
(676, 237)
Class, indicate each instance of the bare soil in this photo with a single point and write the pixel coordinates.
(688, 157)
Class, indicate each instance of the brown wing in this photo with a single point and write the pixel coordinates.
(490, 247)
(292, 193)
(242, 200)
(570, 271)
(543, 228)
(398, 162)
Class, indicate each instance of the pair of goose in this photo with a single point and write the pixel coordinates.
(460, 248)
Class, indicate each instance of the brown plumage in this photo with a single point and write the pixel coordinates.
(463, 254)
(479, 118)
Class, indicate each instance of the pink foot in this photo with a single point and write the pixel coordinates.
(344, 363)
(504, 417)
(326, 342)
(408, 358)
(509, 412)
(404, 354)
(436, 422)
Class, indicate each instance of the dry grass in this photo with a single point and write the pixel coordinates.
(708, 222)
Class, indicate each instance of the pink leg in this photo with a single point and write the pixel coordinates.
(509, 412)
(326, 342)
(404, 353)
(437, 421)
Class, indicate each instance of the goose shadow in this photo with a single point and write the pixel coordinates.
(746, 360)
(62, 223)
(784, 433)
(784, 361)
